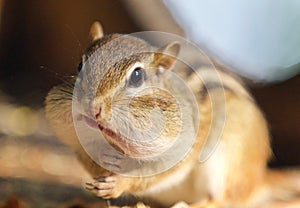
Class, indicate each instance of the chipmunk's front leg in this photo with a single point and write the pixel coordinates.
(107, 187)
(109, 184)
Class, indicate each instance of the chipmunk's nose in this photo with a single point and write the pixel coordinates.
(102, 110)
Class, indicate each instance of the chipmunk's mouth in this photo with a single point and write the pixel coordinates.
(111, 133)
(118, 141)
(95, 125)
(113, 138)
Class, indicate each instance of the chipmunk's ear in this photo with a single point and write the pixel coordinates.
(96, 31)
(166, 56)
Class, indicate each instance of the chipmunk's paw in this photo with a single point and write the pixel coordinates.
(105, 186)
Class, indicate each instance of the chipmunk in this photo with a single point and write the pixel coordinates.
(235, 174)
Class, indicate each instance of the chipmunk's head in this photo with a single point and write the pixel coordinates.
(125, 93)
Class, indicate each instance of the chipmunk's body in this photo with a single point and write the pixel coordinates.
(235, 175)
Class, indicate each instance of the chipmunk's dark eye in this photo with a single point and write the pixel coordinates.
(79, 67)
(137, 77)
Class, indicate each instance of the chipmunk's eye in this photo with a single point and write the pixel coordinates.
(137, 77)
(79, 67)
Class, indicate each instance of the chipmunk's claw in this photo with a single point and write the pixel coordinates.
(104, 186)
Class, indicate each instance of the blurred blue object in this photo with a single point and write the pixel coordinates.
(259, 39)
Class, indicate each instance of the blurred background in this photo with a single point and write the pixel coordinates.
(41, 43)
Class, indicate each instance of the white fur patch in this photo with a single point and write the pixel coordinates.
(167, 184)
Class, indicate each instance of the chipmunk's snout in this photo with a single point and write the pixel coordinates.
(102, 111)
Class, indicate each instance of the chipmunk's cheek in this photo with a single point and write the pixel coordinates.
(146, 150)
(136, 145)
(125, 146)
(140, 152)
